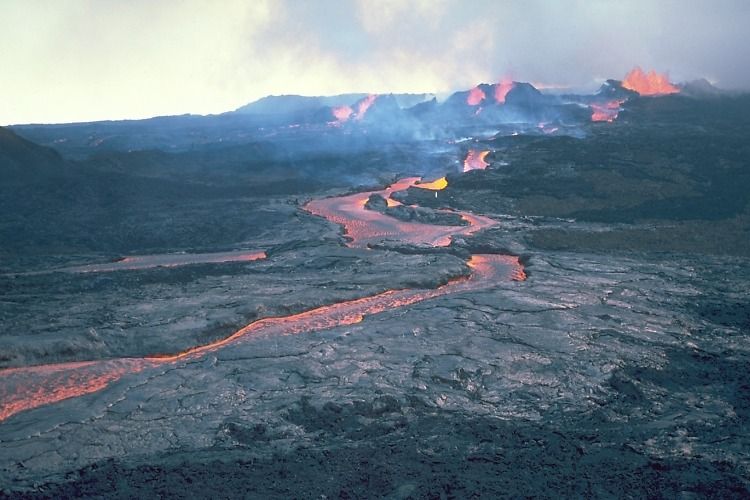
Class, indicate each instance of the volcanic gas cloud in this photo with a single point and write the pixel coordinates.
(651, 83)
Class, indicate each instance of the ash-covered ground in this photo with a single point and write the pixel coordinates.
(619, 367)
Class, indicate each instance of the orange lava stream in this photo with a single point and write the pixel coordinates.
(30, 387)
(364, 104)
(606, 112)
(475, 97)
(475, 160)
(436, 185)
(365, 227)
(502, 89)
(342, 113)
(167, 260)
(651, 83)
(487, 269)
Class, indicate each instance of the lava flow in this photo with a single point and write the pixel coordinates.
(436, 185)
(475, 160)
(364, 104)
(342, 113)
(365, 227)
(475, 97)
(167, 260)
(650, 83)
(502, 89)
(30, 387)
(606, 112)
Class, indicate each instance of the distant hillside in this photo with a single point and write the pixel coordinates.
(292, 104)
(289, 104)
(21, 159)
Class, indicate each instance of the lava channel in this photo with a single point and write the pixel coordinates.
(365, 227)
(33, 386)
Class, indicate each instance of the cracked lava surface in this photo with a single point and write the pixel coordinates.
(33, 386)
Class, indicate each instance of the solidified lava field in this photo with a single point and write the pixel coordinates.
(339, 310)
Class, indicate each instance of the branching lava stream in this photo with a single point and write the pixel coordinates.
(30, 387)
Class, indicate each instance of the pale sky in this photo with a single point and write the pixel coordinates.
(78, 60)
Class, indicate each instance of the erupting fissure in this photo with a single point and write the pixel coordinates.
(502, 89)
(343, 114)
(475, 97)
(364, 105)
(651, 83)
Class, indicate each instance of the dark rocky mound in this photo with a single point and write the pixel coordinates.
(613, 89)
(291, 104)
(526, 95)
(416, 214)
(700, 88)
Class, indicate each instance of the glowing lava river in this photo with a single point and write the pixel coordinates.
(30, 387)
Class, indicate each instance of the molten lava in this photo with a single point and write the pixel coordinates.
(501, 90)
(606, 112)
(364, 104)
(436, 185)
(167, 260)
(366, 227)
(650, 83)
(342, 113)
(475, 97)
(475, 160)
(30, 387)
(485, 265)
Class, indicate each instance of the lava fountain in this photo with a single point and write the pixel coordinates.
(364, 104)
(651, 83)
(502, 89)
(342, 113)
(475, 97)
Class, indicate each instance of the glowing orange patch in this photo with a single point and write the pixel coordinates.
(606, 112)
(364, 105)
(475, 160)
(475, 97)
(342, 113)
(501, 90)
(651, 83)
(435, 185)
